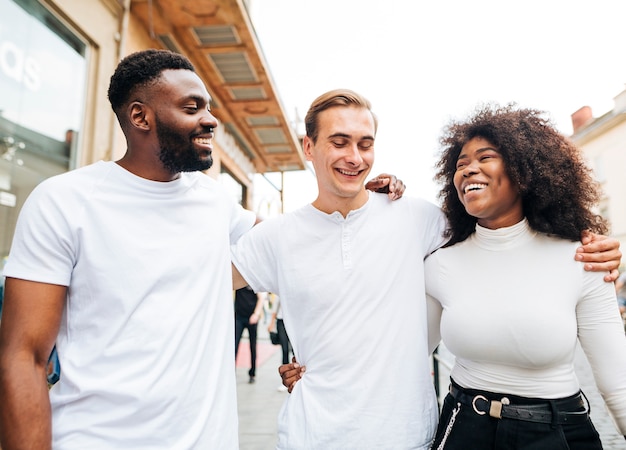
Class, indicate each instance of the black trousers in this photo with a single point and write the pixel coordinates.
(284, 339)
(240, 324)
(461, 428)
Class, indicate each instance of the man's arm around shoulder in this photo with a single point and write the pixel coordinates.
(600, 253)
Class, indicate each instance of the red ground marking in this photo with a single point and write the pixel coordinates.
(263, 351)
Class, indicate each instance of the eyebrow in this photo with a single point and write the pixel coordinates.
(197, 98)
(349, 136)
(480, 150)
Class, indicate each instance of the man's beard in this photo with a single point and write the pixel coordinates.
(177, 151)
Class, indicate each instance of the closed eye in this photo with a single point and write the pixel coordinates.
(339, 143)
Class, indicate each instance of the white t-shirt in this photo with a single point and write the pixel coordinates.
(515, 302)
(352, 295)
(145, 343)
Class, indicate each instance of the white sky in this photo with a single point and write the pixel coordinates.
(421, 63)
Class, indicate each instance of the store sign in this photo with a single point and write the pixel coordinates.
(16, 64)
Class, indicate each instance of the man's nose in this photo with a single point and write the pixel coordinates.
(354, 155)
(209, 120)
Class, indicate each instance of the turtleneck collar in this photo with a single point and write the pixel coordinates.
(503, 238)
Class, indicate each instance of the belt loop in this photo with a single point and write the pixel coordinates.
(587, 400)
(555, 415)
(495, 409)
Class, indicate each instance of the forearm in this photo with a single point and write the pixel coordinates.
(272, 324)
(25, 411)
(258, 309)
(30, 322)
(601, 336)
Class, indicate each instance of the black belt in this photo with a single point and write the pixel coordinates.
(568, 410)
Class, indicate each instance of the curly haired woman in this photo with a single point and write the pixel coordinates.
(512, 303)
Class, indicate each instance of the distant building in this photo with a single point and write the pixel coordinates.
(603, 139)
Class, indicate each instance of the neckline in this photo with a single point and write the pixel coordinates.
(503, 238)
(336, 215)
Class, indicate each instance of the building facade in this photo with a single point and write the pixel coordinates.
(56, 59)
(603, 140)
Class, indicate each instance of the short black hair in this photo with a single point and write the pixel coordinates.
(141, 69)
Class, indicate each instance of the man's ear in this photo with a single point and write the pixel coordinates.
(307, 144)
(138, 115)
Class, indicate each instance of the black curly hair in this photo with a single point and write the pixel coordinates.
(142, 69)
(557, 188)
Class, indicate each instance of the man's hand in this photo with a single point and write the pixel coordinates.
(386, 184)
(600, 254)
(291, 373)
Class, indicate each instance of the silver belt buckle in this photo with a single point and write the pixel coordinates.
(495, 407)
(479, 397)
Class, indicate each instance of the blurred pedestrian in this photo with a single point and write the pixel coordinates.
(248, 309)
(278, 324)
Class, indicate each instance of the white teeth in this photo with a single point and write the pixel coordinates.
(473, 187)
(345, 172)
(204, 141)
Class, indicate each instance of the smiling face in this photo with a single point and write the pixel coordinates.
(484, 188)
(342, 156)
(184, 123)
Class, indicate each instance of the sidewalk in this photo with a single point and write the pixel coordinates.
(260, 402)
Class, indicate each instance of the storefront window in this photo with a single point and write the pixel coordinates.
(233, 186)
(42, 95)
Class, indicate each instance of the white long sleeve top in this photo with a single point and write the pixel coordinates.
(513, 303)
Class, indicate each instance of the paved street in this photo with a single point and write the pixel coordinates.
(611, 439)
(260, 402)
